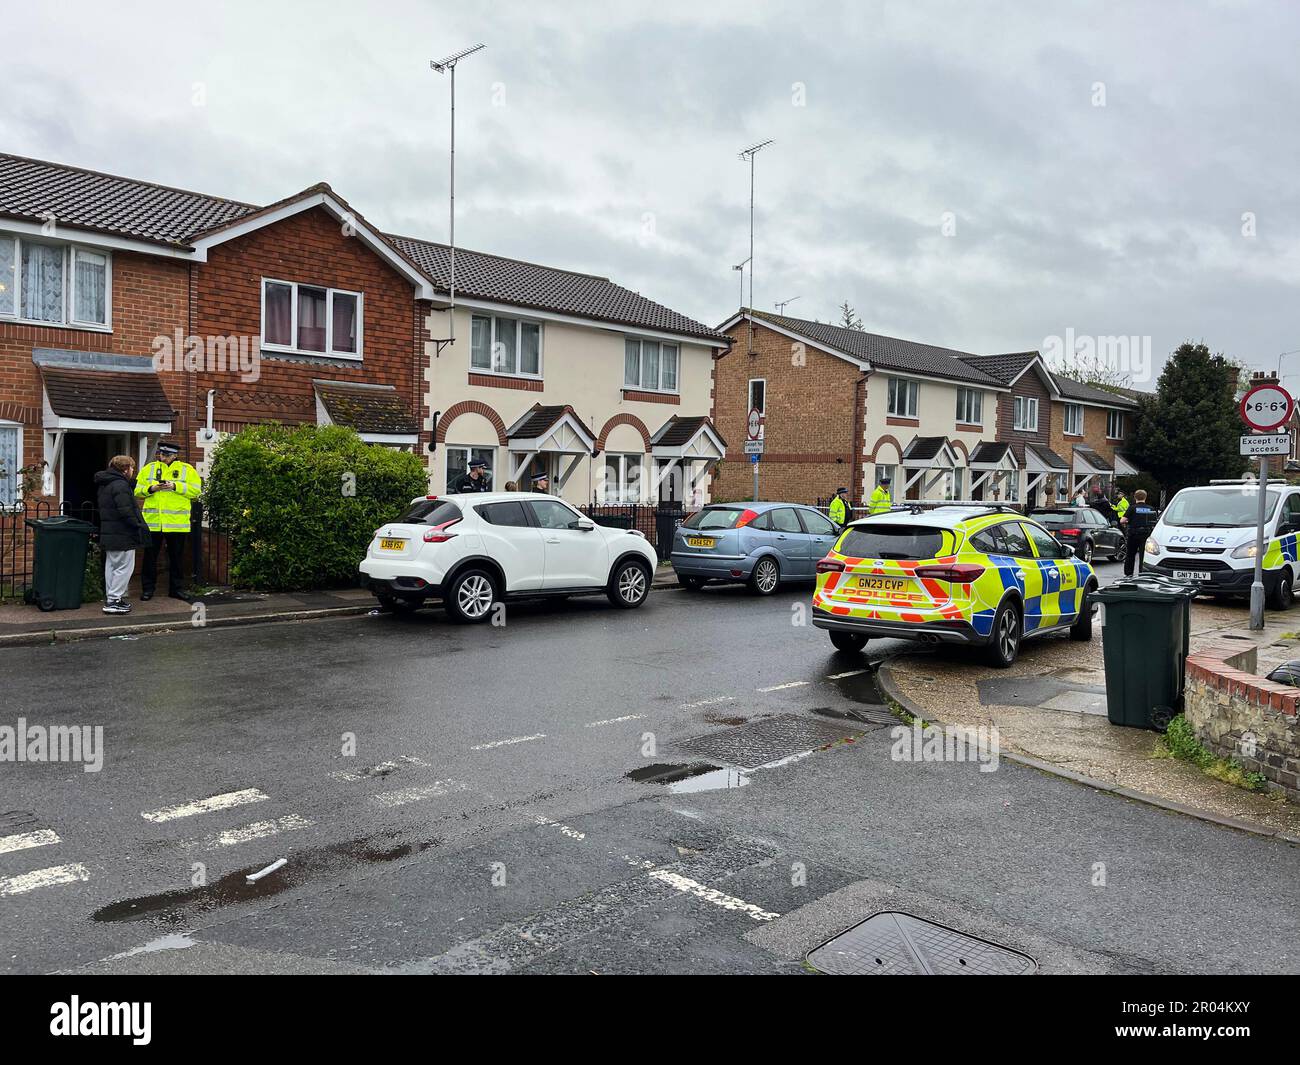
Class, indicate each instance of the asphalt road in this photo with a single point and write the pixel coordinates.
(458, 799)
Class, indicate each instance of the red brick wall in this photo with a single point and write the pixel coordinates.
(1094, 432)
(810, 437)
(1030, 384)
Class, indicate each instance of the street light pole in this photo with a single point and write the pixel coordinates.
(749, 153)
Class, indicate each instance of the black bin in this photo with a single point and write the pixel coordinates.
(59, 562)
(1144, 644)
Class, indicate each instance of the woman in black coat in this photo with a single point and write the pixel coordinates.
(122, 529)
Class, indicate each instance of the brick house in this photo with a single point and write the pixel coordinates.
(1090, 426)
(844, 407)
(131, 311)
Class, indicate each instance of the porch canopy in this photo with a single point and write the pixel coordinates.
(1124, 466)
(549, 431)
(1088, 465)
(1043, 466)
(692, 445)
(376, 412)
(995, 466)
(926, 462)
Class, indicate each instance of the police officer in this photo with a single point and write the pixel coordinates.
(839, 508)
(474, 481)
(1122, 505)
(880, 500)
(542, 483)
(167, 486)
(1139, 519)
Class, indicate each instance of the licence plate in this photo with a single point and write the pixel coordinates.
(884, 584)
(1192, 574)
(390, 544)
(700, 541)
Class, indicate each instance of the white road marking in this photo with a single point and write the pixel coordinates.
(709, 702)
(203, 806)
(56, 874)
(850, 673)
(404, 796)
(279, 863)
(380, 770)
(413, 760)
(257, 830)
(565, 830)
(782, 687)
(614, 720)
(728, 902)
(506, 743)
(26, 840)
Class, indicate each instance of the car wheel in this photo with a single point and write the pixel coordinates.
(629, 584)
(1081, 630)
(1086, 555)
(766, 577)
(1283, 594)
(470, 597)
(1004, 640)
(691, 584)
(848, 641)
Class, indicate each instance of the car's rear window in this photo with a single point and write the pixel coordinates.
(893, 541)
(1055, 517)
(431, 512)
(714, 518)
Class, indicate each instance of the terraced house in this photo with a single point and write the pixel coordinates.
(130, 311)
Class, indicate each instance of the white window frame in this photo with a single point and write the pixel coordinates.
(469, 450)
(18, 464)
(911, 392)
(676, 389)
(974, 405)
(329, 352)
(520, 321)
(623, 491)
(886, 469)
(1116, 416)
(1073, 412)
(69, 251)
(1020, 407)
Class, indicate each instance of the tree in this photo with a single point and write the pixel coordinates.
(848, 317)
(1090, 367)
(1189, 431)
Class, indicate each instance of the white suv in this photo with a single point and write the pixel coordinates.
(474, 550)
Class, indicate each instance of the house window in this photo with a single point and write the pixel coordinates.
(54, 284)
(882, 472)
(11, 457)
(1073, 419)
(1115, 424)
(649, 365)
(970, 406)
(958, 483)
(903, 397)
(311, 319)
(758, 401)
(507, 346)
(622, 483)
(1026, 414)
(459, 458)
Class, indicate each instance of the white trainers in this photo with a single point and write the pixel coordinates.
(117, 606)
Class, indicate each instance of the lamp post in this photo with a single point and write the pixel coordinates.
(748, 154)
(443, 66)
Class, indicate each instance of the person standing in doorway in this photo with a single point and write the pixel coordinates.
(168, 486)
(542, 483)
(121, 530)
(839, 508)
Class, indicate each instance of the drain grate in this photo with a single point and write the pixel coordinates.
(770, 739)
(899, 944)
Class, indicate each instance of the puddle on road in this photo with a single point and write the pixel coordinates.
(683, 778)
(182, 904)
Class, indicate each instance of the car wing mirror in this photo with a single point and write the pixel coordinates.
(584, 525)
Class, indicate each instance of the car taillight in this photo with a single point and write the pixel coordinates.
(746, 518)
(1069, 532)
(439, 534)
(830, 565)
(961, 573)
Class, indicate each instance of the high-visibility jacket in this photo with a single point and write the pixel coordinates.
(168, 510)
(880, 501)
(1121, 508)
(839, 511)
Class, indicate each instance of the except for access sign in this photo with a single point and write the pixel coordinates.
(1265, 407)
(753, 447)
(1256, 445)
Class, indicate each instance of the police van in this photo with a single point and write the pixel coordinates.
(1207, 534)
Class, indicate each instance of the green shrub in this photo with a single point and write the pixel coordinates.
(92, 582)
(300, 504)
(1180, 742)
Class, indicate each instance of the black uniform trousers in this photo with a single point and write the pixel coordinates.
(175, 543)
(1134, 544)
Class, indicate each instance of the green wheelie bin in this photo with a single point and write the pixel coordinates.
(59, 562)
(1144, 645)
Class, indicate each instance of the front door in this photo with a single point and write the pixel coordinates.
(84, 455)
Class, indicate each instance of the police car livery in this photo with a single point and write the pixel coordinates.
(981, 575)
(1207, 534)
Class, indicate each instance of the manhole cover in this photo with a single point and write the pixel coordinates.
(769, 740)
(898, 944)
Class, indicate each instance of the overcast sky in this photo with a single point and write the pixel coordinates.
(1092, 162)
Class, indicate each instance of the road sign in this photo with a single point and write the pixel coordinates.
(753, 447)
(754, 458)
(1265, 407)
(1255, 445)
(755, 425)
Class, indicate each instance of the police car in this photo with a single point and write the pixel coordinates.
(980, 575)
(1207, 534)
